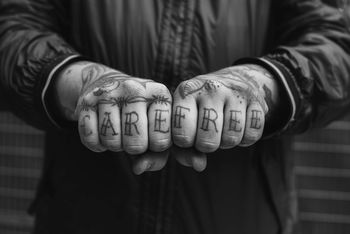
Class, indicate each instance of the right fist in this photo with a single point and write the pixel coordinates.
(121, 113)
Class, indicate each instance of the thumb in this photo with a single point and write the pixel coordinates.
(190, 157)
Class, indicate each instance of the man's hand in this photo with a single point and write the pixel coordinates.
(117, 112)
(121, 113)
(222, 110)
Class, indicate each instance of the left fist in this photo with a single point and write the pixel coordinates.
(222, 109)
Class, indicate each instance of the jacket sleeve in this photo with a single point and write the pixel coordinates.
(31, 50)
(312, 62)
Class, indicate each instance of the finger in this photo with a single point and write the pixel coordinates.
(109, 126)
(149, 161)
(209, 127)
(159, 118)
(234, 121)
(88, 130)
(254, 124)
(134, 126)
(184, 120)
(190, 157)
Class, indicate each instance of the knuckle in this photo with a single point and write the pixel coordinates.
(93, 146)
(183, 141)
(83, 101)
(86, 103)
(159, 145)
(229, 141)
(162, 94)
(135, 149)
(88, 98)
(130, 83)
(162, 89)
(206, 146)
(253, 135)
(250, 139)
(182, 85)
(113, 145)
(133, 87)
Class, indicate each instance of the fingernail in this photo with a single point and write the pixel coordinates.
(199, 164)
(142, 167)
(148, 166)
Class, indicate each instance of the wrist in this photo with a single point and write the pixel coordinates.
(66, 89)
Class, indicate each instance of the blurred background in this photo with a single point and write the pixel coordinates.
(21, 158)
(322, 170)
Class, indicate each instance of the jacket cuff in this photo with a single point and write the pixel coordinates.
(286, 80)
(49, 72)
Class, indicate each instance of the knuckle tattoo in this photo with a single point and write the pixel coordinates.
(256, 119)
(107, 126)
(99, 82)
(130, 124)
(160, 122)
(179, 116)
(209, 119)
(85, 131)
(235, 124)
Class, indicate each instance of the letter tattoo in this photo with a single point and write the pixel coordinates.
(208, 118)
(107, 124)
(255, 120)
(158, 121)
(85, 131)
(234, 121)
(179, 115)
(131, 119)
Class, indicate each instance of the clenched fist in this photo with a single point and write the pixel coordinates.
(118, 112)
(223, 109)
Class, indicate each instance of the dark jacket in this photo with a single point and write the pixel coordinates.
(304, 43)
